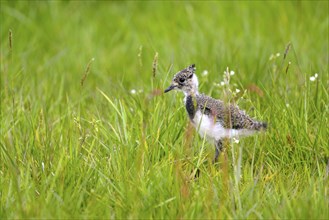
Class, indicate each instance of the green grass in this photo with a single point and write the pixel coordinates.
(99, 151)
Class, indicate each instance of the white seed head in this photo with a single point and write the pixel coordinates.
(205, 72)
(236, 140)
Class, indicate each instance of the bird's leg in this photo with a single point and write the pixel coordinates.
(218, 148)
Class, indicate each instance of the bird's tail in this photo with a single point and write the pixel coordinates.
(260, 126)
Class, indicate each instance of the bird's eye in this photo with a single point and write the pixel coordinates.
(181, 80)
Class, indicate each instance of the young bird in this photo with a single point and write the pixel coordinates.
(212, 118)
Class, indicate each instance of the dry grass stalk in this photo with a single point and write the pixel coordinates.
(87, 71)
(155, 64)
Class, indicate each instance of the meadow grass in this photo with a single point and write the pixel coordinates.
(86, 131)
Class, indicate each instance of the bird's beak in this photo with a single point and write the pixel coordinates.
(171, 87)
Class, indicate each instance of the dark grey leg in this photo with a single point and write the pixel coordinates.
(218, 148)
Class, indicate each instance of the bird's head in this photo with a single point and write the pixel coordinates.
(185, 81)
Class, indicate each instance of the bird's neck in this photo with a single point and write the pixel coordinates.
(192, 92)
(193, 89)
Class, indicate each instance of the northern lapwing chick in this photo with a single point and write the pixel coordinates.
(212, 118)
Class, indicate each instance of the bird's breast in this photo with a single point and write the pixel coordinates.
(191, 106)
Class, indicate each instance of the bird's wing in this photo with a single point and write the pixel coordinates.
(229, 115)
(211, 107)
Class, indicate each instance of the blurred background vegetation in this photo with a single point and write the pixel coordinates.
(110, 148)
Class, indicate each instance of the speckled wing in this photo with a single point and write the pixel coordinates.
(230, 116)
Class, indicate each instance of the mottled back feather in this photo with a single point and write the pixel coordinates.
(230, 116)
